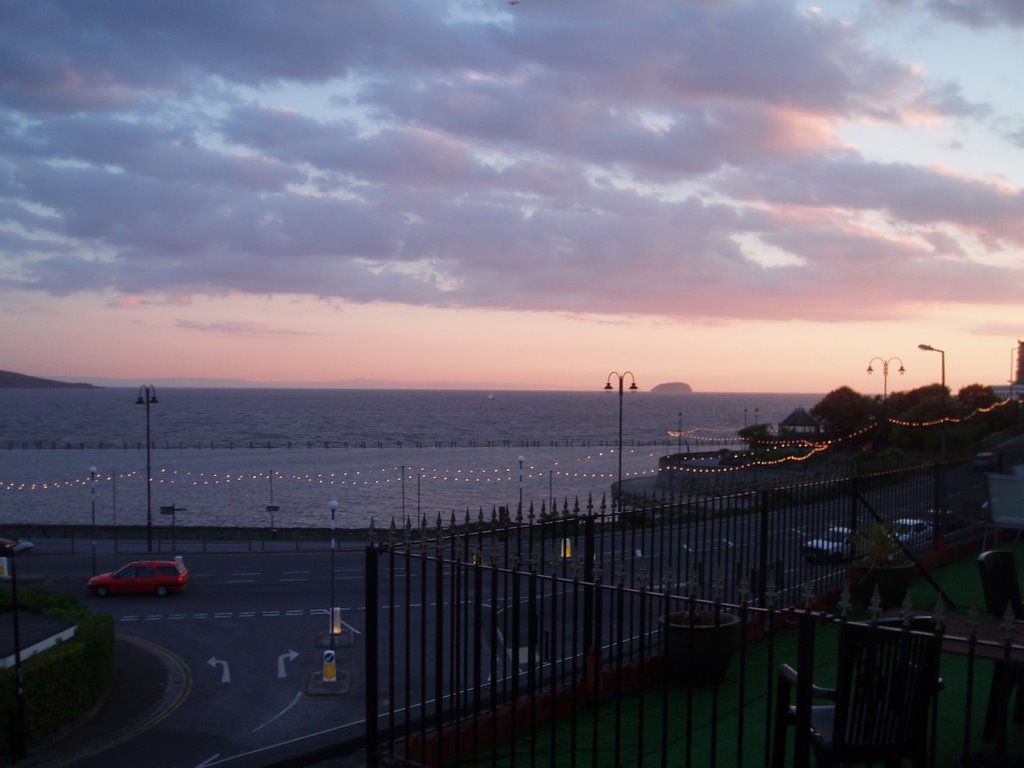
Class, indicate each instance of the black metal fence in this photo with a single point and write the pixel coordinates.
(546, 638)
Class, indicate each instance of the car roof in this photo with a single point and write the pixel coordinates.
(153, 562)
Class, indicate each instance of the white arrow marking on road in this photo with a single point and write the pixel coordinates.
(208, 761)
(225, 676)
(290, 656)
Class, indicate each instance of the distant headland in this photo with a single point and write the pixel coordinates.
(11, 380)
(673, 387)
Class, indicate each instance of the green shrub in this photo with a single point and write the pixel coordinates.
(65, 682)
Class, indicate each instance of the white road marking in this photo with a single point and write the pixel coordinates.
(225, 676)
(268, 722)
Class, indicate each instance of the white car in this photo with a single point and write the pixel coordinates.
(913, 532)
(833, 546)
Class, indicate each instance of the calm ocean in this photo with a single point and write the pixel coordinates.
(225, 455)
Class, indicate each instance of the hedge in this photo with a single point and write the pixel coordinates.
(63, 683)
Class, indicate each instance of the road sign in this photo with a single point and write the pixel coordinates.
(330, 673)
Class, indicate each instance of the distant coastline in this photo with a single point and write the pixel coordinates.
(12, 380)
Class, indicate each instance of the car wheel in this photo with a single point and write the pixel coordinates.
(161, 590)
(102, 591)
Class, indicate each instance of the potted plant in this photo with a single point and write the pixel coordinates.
(699, 645)
(881, 564)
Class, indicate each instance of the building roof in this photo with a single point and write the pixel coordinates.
(799, 418)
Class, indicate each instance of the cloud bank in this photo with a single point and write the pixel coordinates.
(686, 160)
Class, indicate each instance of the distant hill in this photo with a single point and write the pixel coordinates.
(673, 387)
(11, 380)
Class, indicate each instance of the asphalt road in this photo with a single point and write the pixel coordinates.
(251, 631)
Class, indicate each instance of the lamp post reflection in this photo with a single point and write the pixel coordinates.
(632, 388)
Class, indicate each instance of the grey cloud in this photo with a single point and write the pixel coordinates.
(506, 165)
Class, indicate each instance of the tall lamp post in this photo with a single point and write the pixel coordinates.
(1013, 375)
(632, 388)
(930, 348)
(147, 397)
(9, 550)
(521, 459)
(333, 506)
(92, 475)
(885, 373)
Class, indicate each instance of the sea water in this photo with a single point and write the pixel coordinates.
(227, 456)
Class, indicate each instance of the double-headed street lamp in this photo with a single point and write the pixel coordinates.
(147, 397)
(632, 388)
(885, 372)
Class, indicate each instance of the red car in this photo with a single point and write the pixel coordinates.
(142, 577)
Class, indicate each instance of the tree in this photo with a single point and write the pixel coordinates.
(975, 396)
(844, 411)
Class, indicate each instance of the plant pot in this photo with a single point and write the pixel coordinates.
(699, 654)
(892, 581)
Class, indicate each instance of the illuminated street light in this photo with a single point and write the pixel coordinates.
(92, 474)
(885, 373)
(930, 348)
(632, 388)
(147, 397)
(333, 506)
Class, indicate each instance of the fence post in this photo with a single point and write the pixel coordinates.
(588, 581)
(939, 502)
(372, 661)
(764, 505)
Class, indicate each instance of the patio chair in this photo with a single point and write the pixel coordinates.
(1001, 588)
(1005, 504)
(886, 680)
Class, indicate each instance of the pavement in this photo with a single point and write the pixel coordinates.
(149, 683)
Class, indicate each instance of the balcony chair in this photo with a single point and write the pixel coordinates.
(1005, 504)
(999, 583)
(886, 680)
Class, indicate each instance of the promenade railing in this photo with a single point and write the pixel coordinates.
(532, 635)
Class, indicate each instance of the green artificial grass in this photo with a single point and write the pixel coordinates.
(673, 726)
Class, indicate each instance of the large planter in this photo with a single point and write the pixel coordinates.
(699, 652)
(892, 581)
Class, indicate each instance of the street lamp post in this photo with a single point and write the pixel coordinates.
(885, 373)
(147, 397)
(10, 550)
(930, 348)
(521, 458)
(1013, 375)
(333, 506)
(632, 388)
(92, 474)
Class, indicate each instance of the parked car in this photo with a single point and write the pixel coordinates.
(142, 577)
(23, 546)
(913, 532)
(833, 546)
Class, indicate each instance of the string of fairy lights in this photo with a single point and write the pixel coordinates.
(382, 476)
(385, 476)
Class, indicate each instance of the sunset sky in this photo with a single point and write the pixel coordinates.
(749, 196)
